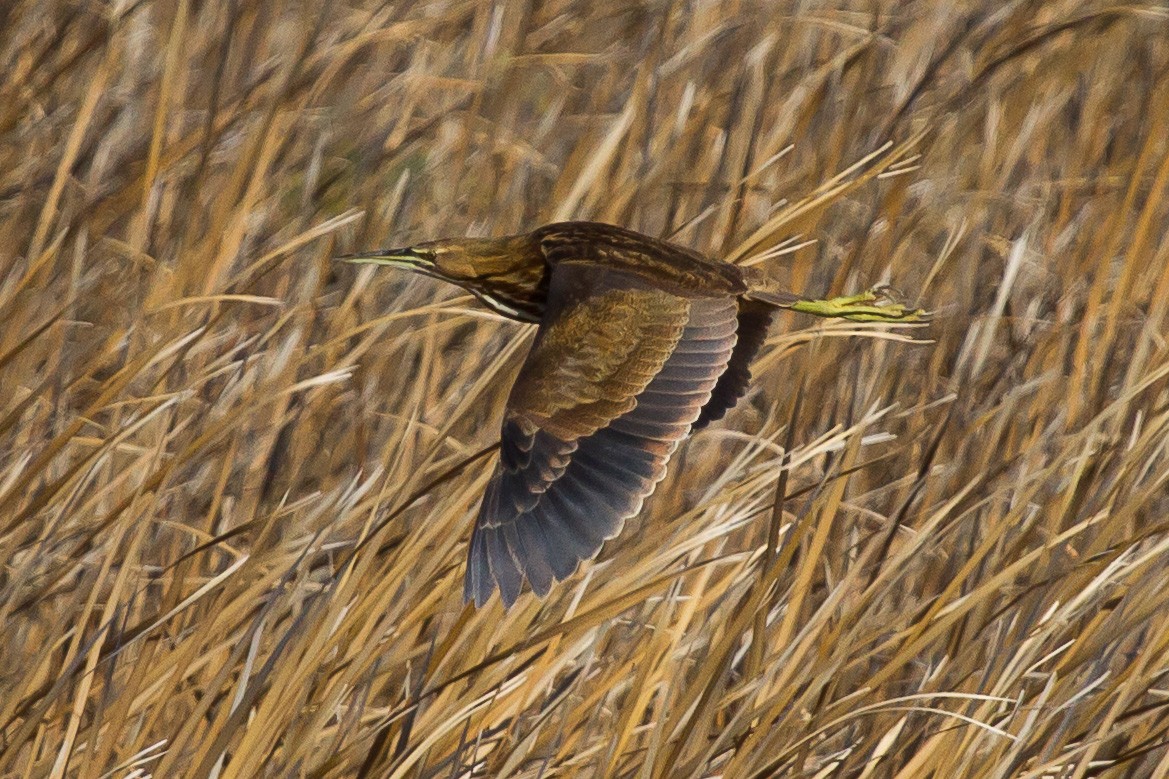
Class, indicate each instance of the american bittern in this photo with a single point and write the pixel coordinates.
(640, 342)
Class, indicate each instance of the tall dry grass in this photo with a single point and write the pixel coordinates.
(236, 481)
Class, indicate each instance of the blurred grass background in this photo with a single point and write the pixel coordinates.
(236, 481)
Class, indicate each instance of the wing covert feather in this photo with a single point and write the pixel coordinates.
(617, 375)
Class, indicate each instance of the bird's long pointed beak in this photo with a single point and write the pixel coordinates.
(408, 258)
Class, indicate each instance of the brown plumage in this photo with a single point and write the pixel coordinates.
(640, 342)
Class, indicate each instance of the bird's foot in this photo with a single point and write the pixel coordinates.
(874, 305)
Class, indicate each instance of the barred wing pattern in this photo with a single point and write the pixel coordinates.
(601, 402)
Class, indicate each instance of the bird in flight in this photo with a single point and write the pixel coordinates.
(640, 342)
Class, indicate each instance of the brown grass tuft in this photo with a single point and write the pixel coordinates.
(236, 481)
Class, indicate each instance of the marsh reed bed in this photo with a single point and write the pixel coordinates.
(237, 480)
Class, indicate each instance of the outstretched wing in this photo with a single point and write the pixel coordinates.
(754, 319)
(618, 373)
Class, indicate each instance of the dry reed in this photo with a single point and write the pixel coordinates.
(236, 481)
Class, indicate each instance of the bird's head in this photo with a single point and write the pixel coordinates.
(508, 274)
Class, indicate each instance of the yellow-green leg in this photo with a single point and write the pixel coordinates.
(869, 306)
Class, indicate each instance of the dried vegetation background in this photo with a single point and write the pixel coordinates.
(237, 480)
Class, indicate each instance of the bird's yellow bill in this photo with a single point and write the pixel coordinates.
(395, 258)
